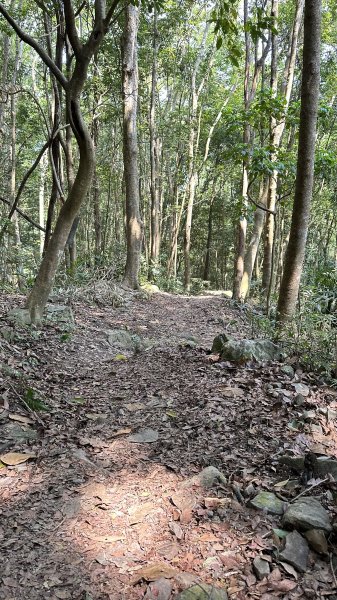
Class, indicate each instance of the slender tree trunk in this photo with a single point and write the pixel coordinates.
(134, 227)
(207, 265)
(154, 157)
(276, 132)
(253, 246)
(43, 169)
(305, 163)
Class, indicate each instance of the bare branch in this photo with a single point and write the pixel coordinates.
(20, 212)
(110, 13)
(71, 27)
(28, 39)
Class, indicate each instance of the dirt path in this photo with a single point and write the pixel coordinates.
(92, 508)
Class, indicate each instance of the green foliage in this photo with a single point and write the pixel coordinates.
(33, 402)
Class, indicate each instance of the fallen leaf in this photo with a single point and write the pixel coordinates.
(183, 501)
(214, 503)
(176, 530)
(289, 569)
(20, 418)
(168, 550)
(285, 585)
(281, 484)
(15, 458)
(120, 357)
(121, 432)
(154, 572)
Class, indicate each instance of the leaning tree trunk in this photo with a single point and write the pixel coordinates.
(134, 226)
(43, 284)
(305, 162)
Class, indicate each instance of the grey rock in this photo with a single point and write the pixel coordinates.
(324, 466)
(301, 388)
(268, 502)
(207, 478)
(261, 567)
(20, 316)
(294, 462)
(307, 513)
(287, 370)
(203, 591)
(317, 540)
(121, 339)
(245, 350)
(299, 400)
(7, 333)
(159, 590)
(59, 313)
(144, 436)
(296, 551)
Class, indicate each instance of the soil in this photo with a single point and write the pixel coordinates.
(92, 515)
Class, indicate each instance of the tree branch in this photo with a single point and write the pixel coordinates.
(71, 27)
(20, 212)
(28, 39)
(110, 13)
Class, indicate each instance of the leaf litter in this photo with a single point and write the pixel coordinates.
(95, 514)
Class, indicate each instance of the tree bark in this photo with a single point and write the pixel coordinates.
(154, 157)
(276, 132)
(134, 226)
(305, 162)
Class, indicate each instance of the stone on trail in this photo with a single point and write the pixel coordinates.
(20, 316)
(207, 478)
(261, 567)
(244, 350)
(307, 513)
(159, 590)
(296, 551)
(144, 436)
(268, 502)
(123, 340)
(317, 540)
(287, 370)
(203, 591)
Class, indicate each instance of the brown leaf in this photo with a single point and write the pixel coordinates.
(285, 585)
(154, 572)
(183, 501)
(168, 550)
(176, 529)
(121, 432)
(20, 418)
(214, 503)
(15, 458)
(186, 515)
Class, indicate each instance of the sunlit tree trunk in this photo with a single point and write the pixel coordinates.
(305, 162)
(134, 226)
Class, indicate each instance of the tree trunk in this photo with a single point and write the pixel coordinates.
(252, 247)
(154, 157)
(276, 132)
(207, 266)
(134, 226)
(38, 297)
(305, 162)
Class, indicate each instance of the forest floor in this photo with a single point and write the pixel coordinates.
(94, 515)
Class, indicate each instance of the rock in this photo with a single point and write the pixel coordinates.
(207, 478)
(185, 580)
(299, 400)
(323, 466)
(188, 340)
(144, 436)
(203, 591)
(268, 502)
(261, 567)
(287, 370)
(159, 590)
(59, 313)
(296, 551)
(124, 340)
(301, 388)
(20, 316)
(294, 462)
(307, 513)
(7, 333)
(244, 350)
(317, 540)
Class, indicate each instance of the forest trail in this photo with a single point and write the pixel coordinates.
(93, 508)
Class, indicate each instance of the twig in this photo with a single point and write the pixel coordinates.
(316, 484)
(20, 212)
(39, 420)
(333, 571)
